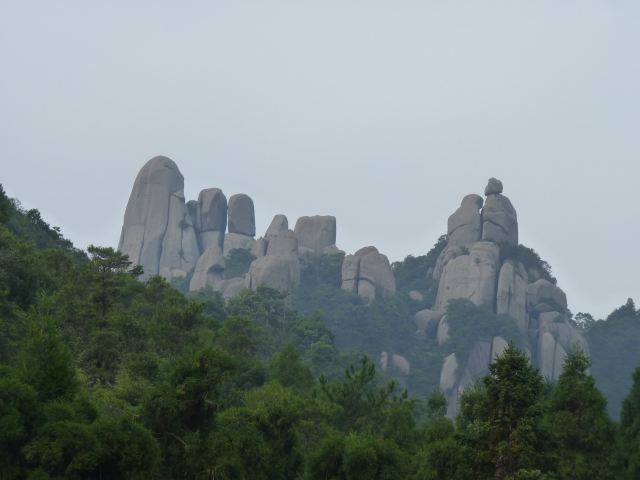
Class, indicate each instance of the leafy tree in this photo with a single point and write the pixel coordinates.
(578, 422)
(237, 262)
(502, 426)
(18, 420)
(613, 346)
(45, 362)
(287, 368)
(629, 438)
(5, 206)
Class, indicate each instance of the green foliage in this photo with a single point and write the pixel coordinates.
(324, 270)
(577, 421)
(529, 258)
(502, 422)
(613, 346)
(45, 363)
(629, 438)
(237, 262)
(469, 323)
(415, 273)
(105, 376)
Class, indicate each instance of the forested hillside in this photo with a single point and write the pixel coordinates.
(104, 376)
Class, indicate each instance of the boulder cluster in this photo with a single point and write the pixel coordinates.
(368, 273)
(196, 241)
(471, 267)
(193, 240)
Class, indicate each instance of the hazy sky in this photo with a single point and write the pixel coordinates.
(383, 114)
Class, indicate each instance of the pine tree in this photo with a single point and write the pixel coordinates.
(502, 425)
(579, 424)
(629, 449)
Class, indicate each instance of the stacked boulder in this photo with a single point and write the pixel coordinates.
(471, 267)
(277, 264)
(209, 215)
(242, 224)
(281, 249)
(316, 235)
(176, 239)
(368, 274)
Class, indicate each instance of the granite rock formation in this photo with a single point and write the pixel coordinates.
(472, 267)
(368, 273)
(158, 231)
(316, 233)
(209, 215)
(464, 226)
(242, 217)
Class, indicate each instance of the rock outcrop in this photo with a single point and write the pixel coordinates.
(158, 231)
(456, 376)
(472, 267)
(209, 216)
(464, 226)
(427, 321)
(242, 217)
(209, 270)
(544, 296)
(511, 298)
(368, 273)
(499, 219)
(472, 276)
(281, 272)
(277, 225)
(316, 233)
(395, 363)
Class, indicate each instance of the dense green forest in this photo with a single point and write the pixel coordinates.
(103, 376)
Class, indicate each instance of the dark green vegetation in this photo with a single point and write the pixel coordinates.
(614, 348)
(102, 376)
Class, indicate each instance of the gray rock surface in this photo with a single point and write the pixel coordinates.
(206, 239)
(259, 248)
(158, 231)
(281, 272)
(211, 210)
(493, 187)
(237, 240)
(499, 220)
(283, 243)
(277, 225)
(448, 254)
(416, 296)
(472, 276)
(448, 373)
(317, 232)
(209, 270)
(442, 333)
(478, 361)
(544, 296)
(231, 287)
(427, 321)
(498, 346)
(241, 215)
(464, 226)
(511, 297)
(332, 250)
(368, 273)
(384, 361)
(401, 364)
(551, 356)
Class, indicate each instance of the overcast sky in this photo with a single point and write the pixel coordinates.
(383, 114)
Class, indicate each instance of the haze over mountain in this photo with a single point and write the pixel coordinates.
(382, 116)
